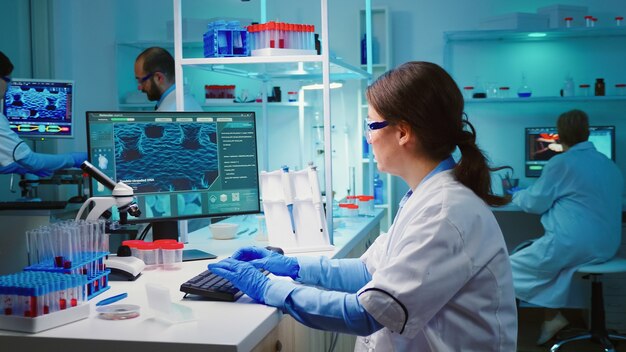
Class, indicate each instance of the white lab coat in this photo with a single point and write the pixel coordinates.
(8, 140)
(169, 103)
(441, 278)
(580, 196)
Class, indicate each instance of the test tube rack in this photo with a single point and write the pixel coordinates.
(91, 265)
(303, 227)
(34, 301)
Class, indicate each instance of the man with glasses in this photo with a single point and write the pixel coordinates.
(154, 72)
(16, 157)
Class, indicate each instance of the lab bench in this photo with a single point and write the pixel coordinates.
(217, 326)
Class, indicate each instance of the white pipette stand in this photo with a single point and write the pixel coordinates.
(311, 232)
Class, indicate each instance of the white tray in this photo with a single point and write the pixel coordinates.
(44, 322)
(281, 52)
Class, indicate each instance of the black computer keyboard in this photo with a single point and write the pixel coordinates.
(35, 205)
(212, 287)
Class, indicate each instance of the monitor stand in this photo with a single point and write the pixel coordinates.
(166, 230)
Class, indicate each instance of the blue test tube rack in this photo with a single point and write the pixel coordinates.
(226, 39)
(90, 264)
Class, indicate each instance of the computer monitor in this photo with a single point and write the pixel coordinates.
(181, 165)
(40, 108)
(542, 143)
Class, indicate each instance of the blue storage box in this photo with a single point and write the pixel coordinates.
(226, 39)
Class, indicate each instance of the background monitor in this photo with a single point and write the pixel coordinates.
(40, 108)
(542, 143)
(181, 165)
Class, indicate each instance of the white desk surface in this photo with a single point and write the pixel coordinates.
(219, 326)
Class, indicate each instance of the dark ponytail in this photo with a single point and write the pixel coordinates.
(473, 170)
(424, 95)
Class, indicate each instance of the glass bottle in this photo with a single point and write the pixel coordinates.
(599, 87)
(378, 189)
(524, 90)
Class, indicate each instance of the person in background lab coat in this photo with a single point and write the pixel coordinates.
(440, 279)
(154, 72)
(16, 157)
(579, 195)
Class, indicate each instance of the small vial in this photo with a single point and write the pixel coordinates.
(618, 21)
(568, 22)
(503, 92)
(293, 96)
(468, 92)
(593, 21)
(584, 90)
(599, 87)
(588, 20)
(620, 89)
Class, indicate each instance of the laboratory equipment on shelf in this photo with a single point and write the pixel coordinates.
(503, 92)
(378, 190)
(568, 22)
(618, 21)
(524, 90)
(584, 90)
(599, 87)
(620, 89)
(282, 38)
(468, 92)
(226, 39)
(122, 197)
(568, 87)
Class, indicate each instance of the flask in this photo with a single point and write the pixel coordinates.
(378, 189)
(524, 90)
(599, 87)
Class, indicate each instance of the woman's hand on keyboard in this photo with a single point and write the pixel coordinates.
(271, 261)
(244, 276)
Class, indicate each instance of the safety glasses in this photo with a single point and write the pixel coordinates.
(368, 127)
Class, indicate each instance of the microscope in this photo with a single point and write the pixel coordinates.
(122, 197)
(124, 267)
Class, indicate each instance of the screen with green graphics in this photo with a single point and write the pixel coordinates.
(181, 165)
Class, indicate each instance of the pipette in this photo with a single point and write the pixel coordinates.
(316, 195)
(288, 196)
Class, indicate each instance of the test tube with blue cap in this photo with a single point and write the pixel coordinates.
(288, 196)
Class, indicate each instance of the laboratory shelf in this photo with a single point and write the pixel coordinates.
(265, 68)
(525, 36)
(145, 44)
(233, 104)
(591, 99)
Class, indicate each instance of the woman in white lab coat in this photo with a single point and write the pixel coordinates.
(440, 279)
(579, 195)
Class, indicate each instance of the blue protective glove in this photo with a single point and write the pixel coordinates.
(514, 190)
(244, 276)
(271, 261)
(79, 157)
(15, 168)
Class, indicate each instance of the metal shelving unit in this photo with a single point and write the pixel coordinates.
(265, 68)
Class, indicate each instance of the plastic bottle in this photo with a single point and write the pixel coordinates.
(568, 87)
(378, 189)
(599, 87)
